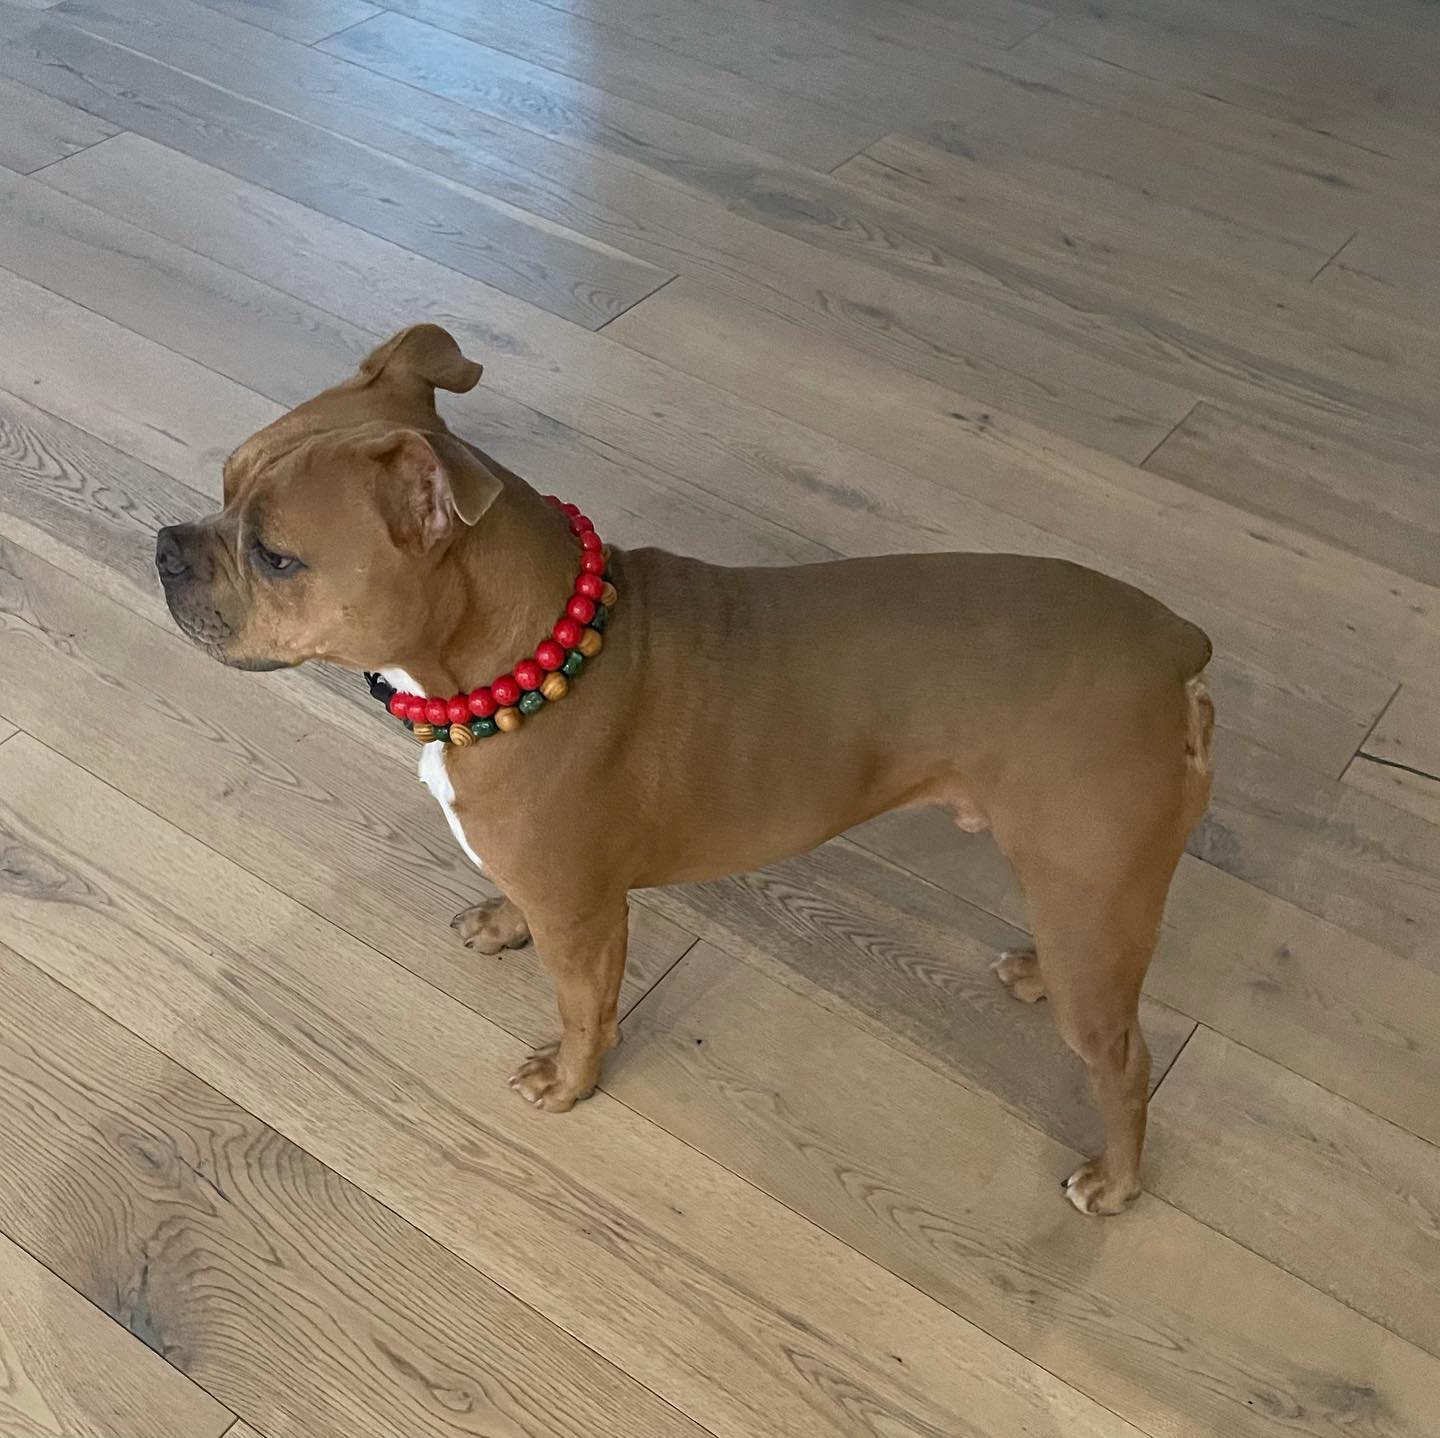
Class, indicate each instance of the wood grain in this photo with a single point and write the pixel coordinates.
(254, 1269)
(67, 1370)
(399, 1090)
(1294, 1174)
(1400, 761)
(536, 259)
(308, 23)
(634, 69)
(1347, 495)
(946, 1189)
(36, 130)
(632, 203)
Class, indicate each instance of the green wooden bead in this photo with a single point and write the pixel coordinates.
(483, 728)
(442, 733)
(531, 701)
(574, 663)
(601, 619)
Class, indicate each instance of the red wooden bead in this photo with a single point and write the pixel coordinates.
(580, 525)
(589, 540)
(571, 509)
(592, 562)
(436, 711)
(482, 703)
(581, 608)
(549, 655)
(589, 585)
(457, 710)
(400, 705)
(506, 691)
(416, 712)
(528, 674)
(553, 499)
(567, 632)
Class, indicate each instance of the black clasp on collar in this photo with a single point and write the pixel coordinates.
(379, 689)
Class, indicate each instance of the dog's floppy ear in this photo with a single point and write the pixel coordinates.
(423, 358)
(432, 484)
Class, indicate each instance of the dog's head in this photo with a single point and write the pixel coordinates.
(335, 516)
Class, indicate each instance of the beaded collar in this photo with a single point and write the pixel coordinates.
(543, 678)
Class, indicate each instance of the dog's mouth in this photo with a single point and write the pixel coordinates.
(206, 627)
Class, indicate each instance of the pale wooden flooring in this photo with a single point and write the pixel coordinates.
(1152, 284)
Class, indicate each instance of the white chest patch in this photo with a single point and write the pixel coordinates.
(436, 777)
(433, 773)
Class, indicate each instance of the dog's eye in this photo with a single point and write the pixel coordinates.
(274, 563)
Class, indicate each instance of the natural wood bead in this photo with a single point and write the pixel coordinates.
(461, 736)
(424, 733)
(508, 718)
(608, 596)
(590, 643)
(556, 686)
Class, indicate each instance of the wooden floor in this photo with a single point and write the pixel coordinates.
(1150, 283)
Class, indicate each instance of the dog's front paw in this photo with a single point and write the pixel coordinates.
(541, 1081)
(492, 927)
(1092, 1193)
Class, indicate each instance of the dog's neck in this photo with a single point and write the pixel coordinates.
(495, 596)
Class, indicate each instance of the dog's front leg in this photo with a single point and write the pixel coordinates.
(584, 950)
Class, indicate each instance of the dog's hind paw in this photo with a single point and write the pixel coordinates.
(1093, 1194)
(492, 927)
(1019, 971)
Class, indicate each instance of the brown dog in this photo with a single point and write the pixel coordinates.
(736, 716)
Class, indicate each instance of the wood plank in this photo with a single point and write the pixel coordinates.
(1325, 81)
(1335, 1007)
(1331, 177)
(57, 354)
(631, 68)
(69, 1370)
(1105, 237)
(1395, 274)
(1400, 761)
(536, 259)
(262, 1274)
(715, 450)
(36, 130)
(1342, 493)
(309, 23)
(738, 1312)
(949, 1191)
(282, 793)
(1151, 293)
(247, 332)
(910, 962)
(1295, 1173)
(623, 202)
(6, 730)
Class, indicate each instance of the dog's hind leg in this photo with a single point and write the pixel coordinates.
(1095, 858)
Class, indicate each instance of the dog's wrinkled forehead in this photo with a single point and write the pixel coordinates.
(394, 385)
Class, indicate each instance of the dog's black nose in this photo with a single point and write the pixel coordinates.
(170, 556)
